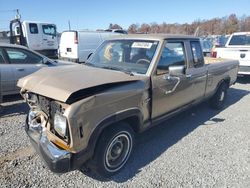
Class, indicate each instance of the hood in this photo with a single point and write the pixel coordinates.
(52, 63)
(67, 82)
(62, 62)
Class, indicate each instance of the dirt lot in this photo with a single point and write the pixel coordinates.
(198, 148)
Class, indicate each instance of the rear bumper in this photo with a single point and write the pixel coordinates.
(244, 70)
(58, 160)
(69, 59)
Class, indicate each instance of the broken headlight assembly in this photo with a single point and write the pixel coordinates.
(31, 99)
(37, 120)
(60, 124)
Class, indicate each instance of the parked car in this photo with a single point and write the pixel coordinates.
(38, 36)
(206, 47)
(117, 31)
(76, 46)
(91, 114)
(238, 48)
(18, 61)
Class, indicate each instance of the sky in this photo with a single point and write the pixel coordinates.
(94, 14)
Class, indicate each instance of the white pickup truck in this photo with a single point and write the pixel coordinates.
(237, 48)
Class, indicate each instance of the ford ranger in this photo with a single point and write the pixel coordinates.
(88, 114)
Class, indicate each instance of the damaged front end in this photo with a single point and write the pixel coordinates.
(48, 131)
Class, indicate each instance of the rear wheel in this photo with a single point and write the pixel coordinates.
(113, 150)
(218, 100)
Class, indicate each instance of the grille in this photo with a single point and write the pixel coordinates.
(54, 107)
(44, 104)
(50, 107)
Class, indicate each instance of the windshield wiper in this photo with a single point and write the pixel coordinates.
(118, 69)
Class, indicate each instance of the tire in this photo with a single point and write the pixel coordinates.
(113, 150)
(218, 100)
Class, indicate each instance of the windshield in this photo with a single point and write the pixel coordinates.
(240, 40)
(132, 56)
(49, 30)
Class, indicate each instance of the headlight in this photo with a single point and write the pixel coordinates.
(60, 124)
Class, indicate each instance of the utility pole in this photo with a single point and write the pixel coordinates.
(18, 15)
(69, 25)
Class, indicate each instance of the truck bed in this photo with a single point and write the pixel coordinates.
(209, 60)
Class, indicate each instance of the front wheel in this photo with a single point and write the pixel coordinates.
(218, 100)
(113, 150)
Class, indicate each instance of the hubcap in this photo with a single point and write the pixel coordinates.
(118, 152)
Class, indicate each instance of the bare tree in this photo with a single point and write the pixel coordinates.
(133, 28)
(215, 26)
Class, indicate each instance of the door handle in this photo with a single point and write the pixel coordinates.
(20, 69)
(188, 75)
(45, 39)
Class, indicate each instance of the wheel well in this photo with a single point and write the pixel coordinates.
(225, 80)
(133, 121)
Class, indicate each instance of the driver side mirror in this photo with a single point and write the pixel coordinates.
(176, 70)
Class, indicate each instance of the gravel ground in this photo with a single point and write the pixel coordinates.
(198, 148)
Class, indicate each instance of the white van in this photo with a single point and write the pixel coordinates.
(76, 46)
(38, 36)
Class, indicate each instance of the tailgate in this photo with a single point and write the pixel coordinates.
(68, 47)
(240, 54)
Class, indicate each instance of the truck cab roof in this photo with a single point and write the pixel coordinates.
(155, 37)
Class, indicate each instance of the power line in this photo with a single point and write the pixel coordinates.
(3, 11)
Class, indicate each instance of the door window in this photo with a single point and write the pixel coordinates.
(172, 54)
(21, 56)
(49, 30)
(33, 28)
(197, 54)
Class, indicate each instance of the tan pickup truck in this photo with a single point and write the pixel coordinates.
(88, 114)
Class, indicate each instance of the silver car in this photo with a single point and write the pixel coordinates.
(18, 61)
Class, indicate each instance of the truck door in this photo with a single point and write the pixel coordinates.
(49, 38)
(6, 75)
(168, 92)
(22, 63)
(197, 72)
(33, 36)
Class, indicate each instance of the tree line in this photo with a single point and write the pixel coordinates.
(216, 26)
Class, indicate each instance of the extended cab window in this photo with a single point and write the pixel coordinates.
(33, 28)
(173, 54)
(20, 56)
(1, 57)
(197, 54)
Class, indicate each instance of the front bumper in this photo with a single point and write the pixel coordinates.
(58, 160)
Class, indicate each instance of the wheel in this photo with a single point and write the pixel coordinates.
(113, 150)
(218, 100)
